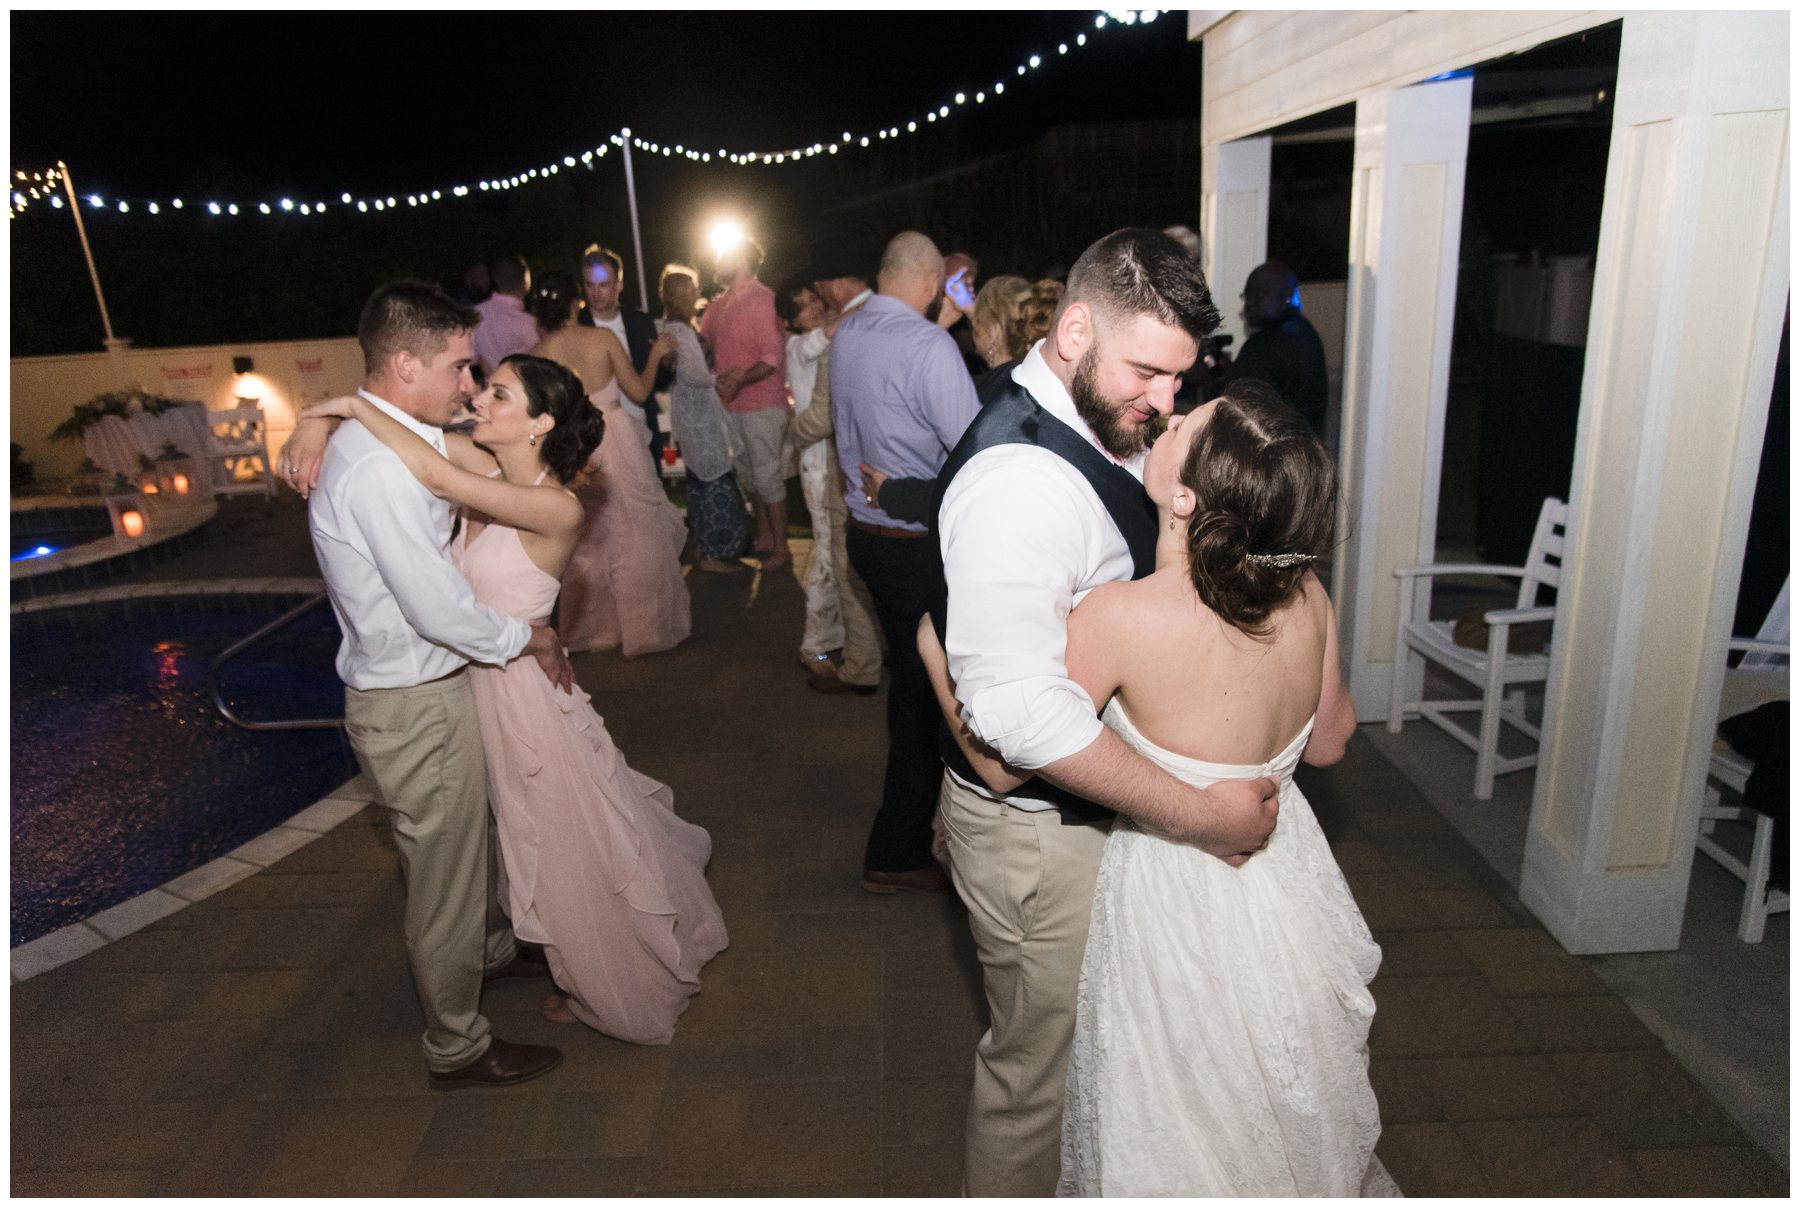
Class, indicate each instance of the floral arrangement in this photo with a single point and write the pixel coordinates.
(122, 403)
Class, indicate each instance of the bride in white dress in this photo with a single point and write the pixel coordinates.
(1221, 1035)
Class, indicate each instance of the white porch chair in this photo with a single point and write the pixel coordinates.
(1761, 676)
(1500, 676)
(239, 440)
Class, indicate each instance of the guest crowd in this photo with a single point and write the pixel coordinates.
(1094, 608)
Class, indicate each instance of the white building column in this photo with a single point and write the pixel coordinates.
(1234, 217)
(1405, 234)
(1689, 292)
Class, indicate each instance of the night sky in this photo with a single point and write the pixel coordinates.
(145, 103)
(251, 108)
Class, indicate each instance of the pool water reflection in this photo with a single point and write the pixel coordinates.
(124, 775)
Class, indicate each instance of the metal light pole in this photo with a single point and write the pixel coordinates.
(637, 239)
(115, 348)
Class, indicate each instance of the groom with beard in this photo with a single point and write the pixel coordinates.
(1042, 500)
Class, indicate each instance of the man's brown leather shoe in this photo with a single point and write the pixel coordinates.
(504, 1064)
(831, 685)
(930, 879)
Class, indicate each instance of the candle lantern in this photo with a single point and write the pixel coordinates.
(148, 477)
(176, 471)
(128, 509)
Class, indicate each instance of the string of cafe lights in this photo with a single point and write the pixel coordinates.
(38, 186)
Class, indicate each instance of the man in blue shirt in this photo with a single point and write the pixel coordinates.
(901, 399)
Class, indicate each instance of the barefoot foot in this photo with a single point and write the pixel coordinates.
(555, 1008)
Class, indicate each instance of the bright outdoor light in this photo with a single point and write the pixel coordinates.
(724, 236)
(287, 203)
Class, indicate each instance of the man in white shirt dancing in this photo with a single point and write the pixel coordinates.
(411, 627)
(1042, 502)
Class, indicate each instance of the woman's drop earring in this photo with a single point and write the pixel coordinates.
(532, 440)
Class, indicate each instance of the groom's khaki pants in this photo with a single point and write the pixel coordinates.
(422, 747)
(1028, 882)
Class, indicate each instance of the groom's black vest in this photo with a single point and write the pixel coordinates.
(1010, 416)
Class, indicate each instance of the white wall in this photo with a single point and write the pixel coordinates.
(288, 375)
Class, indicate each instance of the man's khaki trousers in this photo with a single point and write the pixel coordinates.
(422, 747)
(1028, 882)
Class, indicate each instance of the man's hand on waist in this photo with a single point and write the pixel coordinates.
(1231, 820)
(547, 648)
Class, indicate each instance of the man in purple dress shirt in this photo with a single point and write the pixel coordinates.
(900, 401)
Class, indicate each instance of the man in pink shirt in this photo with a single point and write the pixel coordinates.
(506, 325)
(749, 353)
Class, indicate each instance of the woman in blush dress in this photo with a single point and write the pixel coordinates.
(1223, 1013)
(599, 870)
(623, 586)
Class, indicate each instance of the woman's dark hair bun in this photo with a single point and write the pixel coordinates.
(551, 388)
(551, 295)
(1264, 485)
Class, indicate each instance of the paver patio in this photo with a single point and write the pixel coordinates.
(265, 1041)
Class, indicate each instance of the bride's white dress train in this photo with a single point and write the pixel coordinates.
(1222, 1025)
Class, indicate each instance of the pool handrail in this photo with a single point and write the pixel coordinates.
(243, 644)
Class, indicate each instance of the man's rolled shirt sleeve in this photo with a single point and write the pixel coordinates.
(432, 594)
(1013, 575)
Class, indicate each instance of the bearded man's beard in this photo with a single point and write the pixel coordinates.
(1122, 439)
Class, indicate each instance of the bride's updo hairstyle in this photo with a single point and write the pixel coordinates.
(1265, 505)
(550, 387)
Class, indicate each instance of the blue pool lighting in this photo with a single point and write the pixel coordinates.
(39, 552)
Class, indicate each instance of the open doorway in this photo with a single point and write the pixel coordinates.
(1539, 135)
(1310, 164)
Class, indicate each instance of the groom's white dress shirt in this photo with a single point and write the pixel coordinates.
(408, 614)
(1024, 539)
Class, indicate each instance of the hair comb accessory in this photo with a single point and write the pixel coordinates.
(1280, 561)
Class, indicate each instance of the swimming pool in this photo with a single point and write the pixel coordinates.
(123, 773)
(51, 529)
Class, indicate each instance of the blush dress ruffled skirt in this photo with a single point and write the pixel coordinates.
(598, 868)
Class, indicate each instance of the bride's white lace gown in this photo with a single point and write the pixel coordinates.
(1221, 1034)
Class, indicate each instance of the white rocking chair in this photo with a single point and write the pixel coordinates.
(1500, 676)
(1760, 677)
(239, 441)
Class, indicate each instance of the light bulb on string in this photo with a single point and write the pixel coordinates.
(232, 209)
(1081, 39)
(264, 207)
